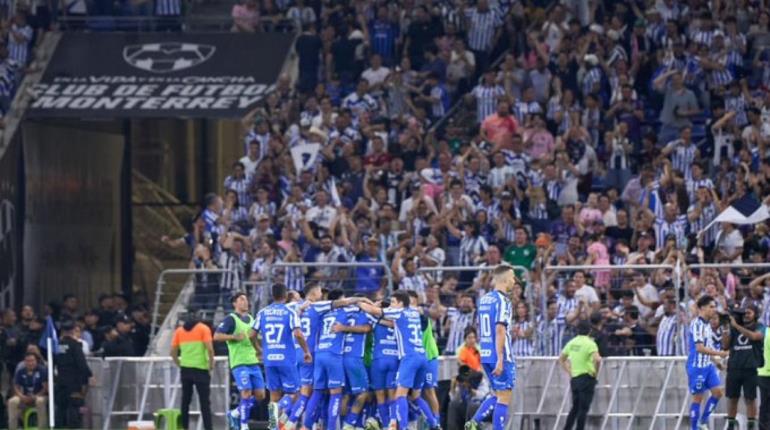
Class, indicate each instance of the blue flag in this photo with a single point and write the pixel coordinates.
(50, 331)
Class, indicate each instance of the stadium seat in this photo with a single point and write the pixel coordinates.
(168, 419)
(25, 418)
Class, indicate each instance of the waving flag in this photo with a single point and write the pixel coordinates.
(746, 210)
(49, 332)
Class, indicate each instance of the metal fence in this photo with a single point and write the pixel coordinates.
(132, 388)
(353, 277)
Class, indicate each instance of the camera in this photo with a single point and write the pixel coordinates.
(737, 313)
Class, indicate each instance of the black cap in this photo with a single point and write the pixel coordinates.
(67, 325)
(121, 317)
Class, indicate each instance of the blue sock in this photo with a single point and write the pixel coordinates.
(393, 406)
(334, 411)
(284, 404)
(312, 407)
(500, 416)
(486, 407)
(384, 411)
(323, 409)
(298, 409)
(414, 411)
(352, 417)
(427, 412)
(694, 414)
(402, 406)
(244, 409)
(711, 404)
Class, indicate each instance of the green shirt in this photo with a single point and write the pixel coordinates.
(580, 351)
(765, 370)
(520, 255)
(429, 342)
(241, 352)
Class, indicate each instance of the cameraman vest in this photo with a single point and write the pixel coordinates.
(744, 354)
(765, 370)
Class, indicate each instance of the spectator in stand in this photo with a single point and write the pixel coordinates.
(30, 389)
(522, 252)
(72, 378)
(118, 340)
(468, 353)
(246, 17)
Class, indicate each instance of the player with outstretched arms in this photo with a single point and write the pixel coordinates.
(244, 364)
(413, 364)
(278, 325)
(702, 373)
(495, 347)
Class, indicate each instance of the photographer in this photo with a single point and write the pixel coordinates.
(465, 396)
(744, 341)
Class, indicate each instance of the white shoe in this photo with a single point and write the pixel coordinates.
(244, 427)
(703, 426)
(372, 424)
(347, 427)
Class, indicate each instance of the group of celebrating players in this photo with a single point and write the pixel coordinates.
(373, 365)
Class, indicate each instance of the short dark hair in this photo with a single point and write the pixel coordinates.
(279, 291)
(310, 287)
(336, 293)
(412, 294)
(470, 330)
(402, 297)
(236, 295)
(32, 354)
(583, 327)
(704, 301)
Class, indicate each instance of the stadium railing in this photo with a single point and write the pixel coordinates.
(200, 288)
(328, 275)
(132, 388)
(613, 282)
(193, 22)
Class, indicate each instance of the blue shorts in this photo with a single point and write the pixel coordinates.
(356, 375)
(306, 374)
(328, 372)
(384, 373)
(702, 379)
(282, 378)
(248, 378)
(412, 371)
(431, 376)
(505, 381)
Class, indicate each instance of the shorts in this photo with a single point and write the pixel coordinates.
(248, 378)
(411, 372)
(356, 376)
(328, 372)
(306, 374)
(384, 372)
(702, 379)
(282, 378)
(431, 376)
(503, 382)
(737, 378)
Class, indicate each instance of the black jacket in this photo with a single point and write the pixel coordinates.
(73, 371)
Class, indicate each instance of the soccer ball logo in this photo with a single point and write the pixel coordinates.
(167, 57)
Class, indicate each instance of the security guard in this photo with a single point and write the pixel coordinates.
(764, 385)
(581, 360)
(192, 350)
(71, 378)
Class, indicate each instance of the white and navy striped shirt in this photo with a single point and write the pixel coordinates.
(692, 186)
(470, 248)
(523, 347)
(242, 187)
(666, 338)
(235, 264)
(550, 338)
(707, 214)
(416, 283)
(663, 228)
(458, 322)
(700, 332)
(566, 306)
(522, 110)
(737, 104)
(486, 100)
(590, 79)
(682, 156)
(168, 7)
(18, 50)
(358, 104)
(481, 28)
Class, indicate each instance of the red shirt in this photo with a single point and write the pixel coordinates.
(500, 130)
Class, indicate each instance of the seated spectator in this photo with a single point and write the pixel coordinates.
(30, 390)
(468, 353)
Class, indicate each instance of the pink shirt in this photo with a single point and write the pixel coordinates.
(542, 143)
(601, 257)
(590, 215)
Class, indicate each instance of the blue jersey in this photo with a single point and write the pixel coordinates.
(494, 309)
(310, 322)
(328, 340)
(384, 340)
(408, 331)
(276, 324)
(355, 343)
(700, 332)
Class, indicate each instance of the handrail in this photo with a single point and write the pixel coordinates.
(351, 265)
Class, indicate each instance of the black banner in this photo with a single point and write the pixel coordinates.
(10, 231)
(113, 75)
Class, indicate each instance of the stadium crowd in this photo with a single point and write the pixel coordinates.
(611, 134)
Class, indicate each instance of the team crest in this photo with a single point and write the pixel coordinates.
(167, 57)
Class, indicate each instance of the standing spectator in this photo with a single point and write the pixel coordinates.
(488, 95)
(384, 36)
(484, 29)
(169, 13)
(72, 378)
(241, 183)
(456, 320)
(308, 47)
(468, 353)
(522, 332)
(499, 127)
(369, 279)
(679, 104)
(118, 339)
(522, 252)
(192, 350)
(246, 17)
(19, 38)
(420, 35)
(30, 389)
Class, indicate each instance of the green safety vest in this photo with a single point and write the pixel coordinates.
(242, 352)
(765, 370)
(429, 342)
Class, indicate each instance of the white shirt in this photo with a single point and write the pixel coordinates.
(650, 294)
(250, 167)
(375, 77)
(323, 216)
(730, 242)
(587, 294)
